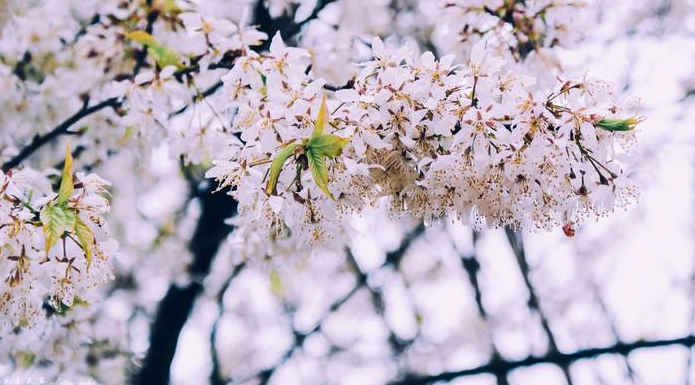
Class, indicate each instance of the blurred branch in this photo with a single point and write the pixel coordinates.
(393, 258)
(178, 302)
(216, 376)
(612, 324)
(471, 265)
(550, 358)
(284, 24)
(517, 244)
(299, 337)
(141, 56)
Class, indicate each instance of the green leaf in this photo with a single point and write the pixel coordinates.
(56, 220)
(618, 124)
(67, 185)
(276, 166)
(63, 309)
(264, 88)
(327, 145)
(163, 55)
(77, 301)
(170, 7)
(25, 359)
(321, 119)
(319, 170)
(86, 237)
(143, 38)
(276, 285)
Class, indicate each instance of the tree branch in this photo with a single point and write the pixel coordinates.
(551, 358)
(517, 243)
(471, 265)
(216, 375)
(178, 302)
(361, 278)
(59, 130)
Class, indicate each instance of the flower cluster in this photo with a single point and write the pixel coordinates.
(519, 27)
(55, 247)
(432, 139)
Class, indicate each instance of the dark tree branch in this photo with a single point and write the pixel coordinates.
(517, 243)
(178, 302)
(216, 376)
(284, 24)
(299, 337)
(393, 258)
(141, 56)
(559, 359)
(61, 129)
(614, 329)
(472, 267)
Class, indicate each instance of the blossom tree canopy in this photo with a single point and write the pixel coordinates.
(297, 117)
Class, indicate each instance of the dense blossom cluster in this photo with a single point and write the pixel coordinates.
(518, 31)
(433, 138)
(55, 247)
(520, 27)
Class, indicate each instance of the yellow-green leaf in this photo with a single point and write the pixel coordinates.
(86, 238)
(25, 359)
(170, 7)
(163, 55)
(56, 220)
(67, 185)
(321, 119)
(143, 38)
(319, 170)
(276, 166)
(276, 285)
(618, 124)
(327, 145)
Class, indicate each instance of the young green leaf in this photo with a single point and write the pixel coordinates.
(143, 38)
(276, 285)
(618, 124)
(86, 237)
(276, 166)
(327, 145)
(170, 7)
(56, 220)
(319, 170)
(163, 55)
(67, 185)
(321, 119)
